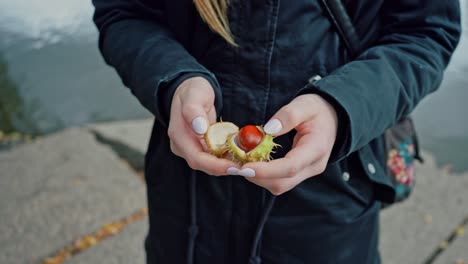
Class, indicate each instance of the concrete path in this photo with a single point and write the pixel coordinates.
(57, 189)
(413, 230)
(134, 134)
(69, 184)
(456, 253)
(125, 248)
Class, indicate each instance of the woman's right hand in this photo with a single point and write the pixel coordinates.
(192, 110)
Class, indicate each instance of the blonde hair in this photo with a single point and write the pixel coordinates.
(214, 13)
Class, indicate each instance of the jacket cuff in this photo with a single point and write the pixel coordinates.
(168, 88)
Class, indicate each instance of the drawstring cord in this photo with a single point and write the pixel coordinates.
(255, 253)
(193, 228)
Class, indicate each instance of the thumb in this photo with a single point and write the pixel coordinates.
(197, 98)
(290, 116)
(196, 116)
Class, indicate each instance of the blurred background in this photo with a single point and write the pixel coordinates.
(52, 77)
(55, 78)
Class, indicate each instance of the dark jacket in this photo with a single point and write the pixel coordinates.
(154, 45)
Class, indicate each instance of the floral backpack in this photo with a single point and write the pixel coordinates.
(401, 143)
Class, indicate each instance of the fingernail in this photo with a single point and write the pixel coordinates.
(199, 125)
(247, 172)
(232, 171)
(273, 126)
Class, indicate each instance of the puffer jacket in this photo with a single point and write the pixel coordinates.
(332, 218)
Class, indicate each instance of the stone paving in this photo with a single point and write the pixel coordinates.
(67, 185)
(412, 230)
(126, 247)
(458, 251)
(135, 134)
(59, 188)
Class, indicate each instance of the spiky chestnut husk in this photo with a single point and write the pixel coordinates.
(216, 136)
(262, 152)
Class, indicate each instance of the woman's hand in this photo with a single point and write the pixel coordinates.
(192, 110)
(316, 123)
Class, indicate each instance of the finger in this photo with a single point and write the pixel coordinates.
(176, 126)
(292, 115)
(212, 115)
(210, 164)
(204, 145)
(196, 116)
(180, 135)
(199, 93)
(174, 149)
(315, 169)
(196, 108)
(276, 186)
(193, 152)
(295, 140)
(282, 185)
(305, 153)
(187, 146)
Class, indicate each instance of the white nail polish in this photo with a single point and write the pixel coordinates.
(232, 171)
(273, 127)
(199, 125)
(247, 172)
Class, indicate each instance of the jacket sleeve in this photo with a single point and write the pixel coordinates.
(135, 40)
(387, 80)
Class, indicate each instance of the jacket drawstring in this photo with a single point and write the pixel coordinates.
(255, 252)
(193, 228)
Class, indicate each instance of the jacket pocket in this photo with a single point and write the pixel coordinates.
(376, 172)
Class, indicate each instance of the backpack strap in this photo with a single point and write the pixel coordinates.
(344, 25)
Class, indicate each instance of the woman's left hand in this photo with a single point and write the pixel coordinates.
(316, 123)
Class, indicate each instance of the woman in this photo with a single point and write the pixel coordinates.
(250, 62)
